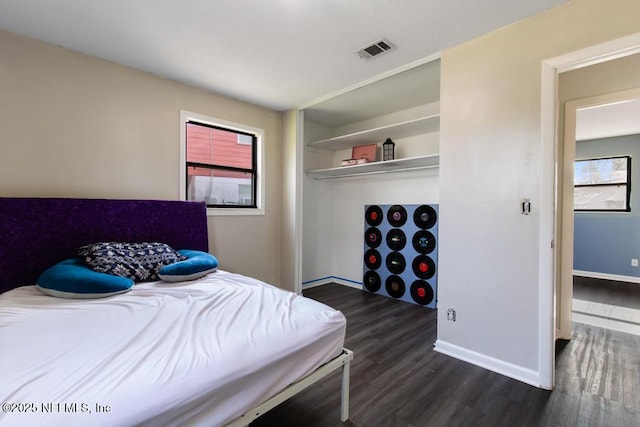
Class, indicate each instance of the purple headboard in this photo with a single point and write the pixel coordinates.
(36, 233)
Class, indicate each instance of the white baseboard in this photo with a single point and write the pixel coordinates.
(606, 316)
(519, 373)
(606, 276)
(331, 279)
(606, 323)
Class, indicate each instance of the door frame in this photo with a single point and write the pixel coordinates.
(551, 263)
(565, 294)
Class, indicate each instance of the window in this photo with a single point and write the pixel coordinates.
(602, 184)
(221, 164)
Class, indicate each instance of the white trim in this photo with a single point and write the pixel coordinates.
(185, 116)
(606, 276)
(549, 97)
(519, 373)
(316, 283)
(547, 232)
(603, 52)
(331, 279)
(564, 289)
(623, 319)
(297, 269)
(607, 311)
(606, 98)
(312, 285)
(347, 283)
(606, 323)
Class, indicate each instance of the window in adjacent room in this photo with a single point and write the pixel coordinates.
(602, 184)
(221, 164)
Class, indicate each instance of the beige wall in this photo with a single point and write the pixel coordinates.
(290, 218)
(75, 126)
(491, 158)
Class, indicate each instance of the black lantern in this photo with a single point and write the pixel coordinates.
(388, 150)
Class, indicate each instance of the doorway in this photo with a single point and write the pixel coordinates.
(554, 320)
(606, 126)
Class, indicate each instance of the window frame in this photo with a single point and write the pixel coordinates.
(258, 159)
(627, 207)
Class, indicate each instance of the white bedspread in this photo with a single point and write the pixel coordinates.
(192, 353)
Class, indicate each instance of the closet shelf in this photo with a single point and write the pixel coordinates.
(398, 165)
(426, 124)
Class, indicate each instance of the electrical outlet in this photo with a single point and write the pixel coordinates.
(634, 262)
(451, 315)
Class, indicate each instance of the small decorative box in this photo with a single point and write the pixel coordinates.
(367, 152)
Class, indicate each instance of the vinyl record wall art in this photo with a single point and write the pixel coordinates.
(401, 252)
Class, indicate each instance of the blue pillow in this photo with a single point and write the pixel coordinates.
(72, 278)
(197, 264)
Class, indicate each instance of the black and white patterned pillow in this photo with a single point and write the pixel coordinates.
(137, 261)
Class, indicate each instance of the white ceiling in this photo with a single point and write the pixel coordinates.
(275, 53)
(609, 120)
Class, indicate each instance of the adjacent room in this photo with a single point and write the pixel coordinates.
(327, 213)
(605, 288)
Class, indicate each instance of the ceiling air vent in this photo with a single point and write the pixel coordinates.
(375, 49)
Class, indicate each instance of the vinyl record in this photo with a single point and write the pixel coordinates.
(425, 216)
(372, 237)
(395, 286)
(397, 216)
(421, 292)
(423, 242)
(396, 239)
(372, 259)
(423, 267)
(396, 263)
(373, 215)
(372, 281)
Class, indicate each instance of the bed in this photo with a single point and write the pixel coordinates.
(220, 350)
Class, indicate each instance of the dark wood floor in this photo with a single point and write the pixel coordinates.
(398, 380)
(610, 292)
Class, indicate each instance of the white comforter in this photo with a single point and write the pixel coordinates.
(192, 353)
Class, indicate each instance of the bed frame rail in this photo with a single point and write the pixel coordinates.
(343, 360)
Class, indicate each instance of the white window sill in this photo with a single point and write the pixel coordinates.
(235, 211)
